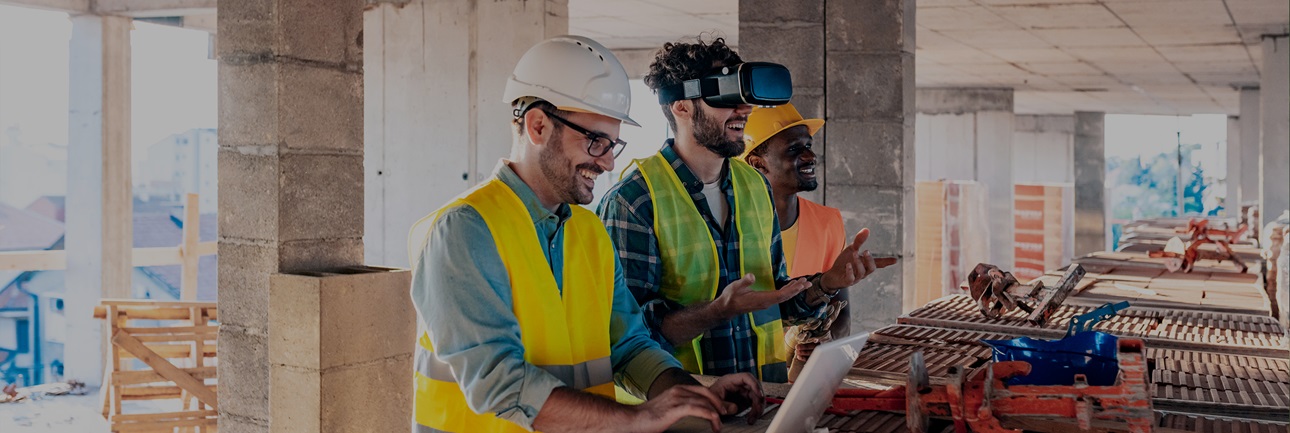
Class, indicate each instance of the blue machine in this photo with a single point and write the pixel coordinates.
(1082, 351)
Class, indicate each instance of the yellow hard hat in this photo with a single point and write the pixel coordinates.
(765, 122)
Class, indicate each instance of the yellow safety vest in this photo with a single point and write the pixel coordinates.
(690, 260)
(568, 336)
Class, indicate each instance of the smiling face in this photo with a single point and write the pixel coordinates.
(788, 161)
(720, 130)
(570, 171)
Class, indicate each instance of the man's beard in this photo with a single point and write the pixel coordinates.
(807, 185)
(561, 173)
(711, 134)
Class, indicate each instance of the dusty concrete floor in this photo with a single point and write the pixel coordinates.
(69, 413)
(54, 414)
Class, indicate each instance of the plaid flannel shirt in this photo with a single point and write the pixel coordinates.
(628, 212)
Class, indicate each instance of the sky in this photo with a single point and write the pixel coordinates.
(173, 88)
(1146, 136)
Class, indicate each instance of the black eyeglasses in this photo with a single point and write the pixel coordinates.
(597, 144)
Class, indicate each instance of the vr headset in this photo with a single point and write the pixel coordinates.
(752, 83)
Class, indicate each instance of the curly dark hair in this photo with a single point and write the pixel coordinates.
(680, 61)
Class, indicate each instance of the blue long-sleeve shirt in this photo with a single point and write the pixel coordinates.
(463, 297)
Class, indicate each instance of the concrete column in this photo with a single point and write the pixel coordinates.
(1274, 95)
(99, 221)
(969, 130)
(1250, 147)
(290, 174)
(1041, 149)
(1232, 204)
(792, 33)
(435, 119)
(1090, 183)
(853, 62)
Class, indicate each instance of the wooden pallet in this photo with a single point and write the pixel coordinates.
(160, 351)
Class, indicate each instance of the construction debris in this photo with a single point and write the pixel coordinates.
(997, 292)
(1182, 257)
(985, 402)
(13, 394)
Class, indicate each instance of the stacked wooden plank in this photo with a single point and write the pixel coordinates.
(1145, 282)
(1164, 228)
(160, 351)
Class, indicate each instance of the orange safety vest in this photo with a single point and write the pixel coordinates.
(820, 238)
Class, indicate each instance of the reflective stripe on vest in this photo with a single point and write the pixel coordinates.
(690, 259)
(564, 332)
(578, 376)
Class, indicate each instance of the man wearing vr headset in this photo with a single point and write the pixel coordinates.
(525, 319)
(696, 229)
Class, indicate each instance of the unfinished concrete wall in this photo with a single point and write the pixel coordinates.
(1250, 147)
(99, 207)
(853, 62)
(1042, 149)
(1090, 183)
(792, 33)
(1274, 94)
(966, 134)
(435, 119)
(1232, 203)
(290, 174)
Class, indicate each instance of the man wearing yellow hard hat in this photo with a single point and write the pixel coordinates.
(778, 144)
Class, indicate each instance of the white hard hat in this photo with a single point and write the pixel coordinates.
(573, 73)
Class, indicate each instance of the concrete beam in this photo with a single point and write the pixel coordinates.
(1090, 183)
(960, 100)
(1274, 109)
(636, 60)
(203, 22)
(152, 8)
(99, 215)
(68, 6)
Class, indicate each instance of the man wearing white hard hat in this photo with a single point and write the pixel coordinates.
(526, 322)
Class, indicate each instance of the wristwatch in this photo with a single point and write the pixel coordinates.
(818, 286)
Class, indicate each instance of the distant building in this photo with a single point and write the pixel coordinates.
(180, 164)
(32, 320)
(50, 206)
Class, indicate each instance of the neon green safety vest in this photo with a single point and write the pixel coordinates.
(566, 334)
(690, 261)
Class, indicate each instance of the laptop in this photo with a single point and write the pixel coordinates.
(809, 397)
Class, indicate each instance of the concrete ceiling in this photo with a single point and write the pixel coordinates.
(1117, 56)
